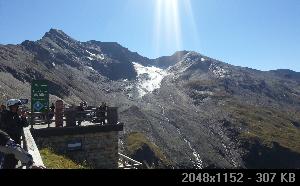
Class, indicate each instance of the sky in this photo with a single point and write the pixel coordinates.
(260, 34)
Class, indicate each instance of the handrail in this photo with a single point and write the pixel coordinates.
(41, 118)
(31, 147)
(128, 162)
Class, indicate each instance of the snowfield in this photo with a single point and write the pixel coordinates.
(149, 78)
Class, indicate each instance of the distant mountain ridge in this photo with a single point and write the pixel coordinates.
(186, 110)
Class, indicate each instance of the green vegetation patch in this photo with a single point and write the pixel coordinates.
(55, 161)
(268, 124)
(137, 140)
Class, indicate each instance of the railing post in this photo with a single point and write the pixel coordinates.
(48, 119)
(59, 108)
(31, 119)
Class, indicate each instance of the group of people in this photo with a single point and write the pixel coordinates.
(101, 113)
(77, 114)
(12, 121)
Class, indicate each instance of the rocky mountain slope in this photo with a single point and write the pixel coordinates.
(182, 111)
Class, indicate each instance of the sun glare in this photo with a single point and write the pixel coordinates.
(167, 25)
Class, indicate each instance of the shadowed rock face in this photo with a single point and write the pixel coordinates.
(204, 113)
(276, 157)
(145, 154)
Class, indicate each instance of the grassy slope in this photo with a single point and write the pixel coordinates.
(136, 140)
(54, 161)
(267, 124)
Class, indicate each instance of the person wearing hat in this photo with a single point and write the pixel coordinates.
(12, 122)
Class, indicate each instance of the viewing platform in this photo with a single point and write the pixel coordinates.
(89, 136)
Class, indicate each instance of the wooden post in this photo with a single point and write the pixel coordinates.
(59, 110)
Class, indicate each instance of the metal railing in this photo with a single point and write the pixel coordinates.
(72, 116)
(127, 163)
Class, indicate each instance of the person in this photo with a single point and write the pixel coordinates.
(80, 113)
(102, 111)
(52, 111)
(9, 147)
(71, 115)
(12, 122)
(52, 108)
(2, 108)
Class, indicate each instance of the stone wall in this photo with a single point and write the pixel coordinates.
(98, 149)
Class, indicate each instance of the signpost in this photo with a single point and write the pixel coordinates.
(39, 96)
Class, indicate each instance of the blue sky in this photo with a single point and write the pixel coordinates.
(260, 34)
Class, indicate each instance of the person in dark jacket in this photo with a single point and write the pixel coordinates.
(2, 110)
(52, 111)
(52, 108)
(102, 113)
(12, 122)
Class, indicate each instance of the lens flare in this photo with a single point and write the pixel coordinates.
(167, 25)
(192, 22)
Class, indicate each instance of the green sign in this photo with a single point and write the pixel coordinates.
(39, 96)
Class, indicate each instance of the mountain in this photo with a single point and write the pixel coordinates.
(167, 61)
(181, 111)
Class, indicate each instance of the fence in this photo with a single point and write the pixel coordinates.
(128, 163)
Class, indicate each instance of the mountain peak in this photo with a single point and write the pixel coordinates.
(181, 53)
(56, 33)
(167, 61)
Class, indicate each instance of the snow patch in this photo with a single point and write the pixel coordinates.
(218, 71)
(163, 113)
(91, 68)
(75, 58)
(185, 67)
(205, 92)
(95, 56)
(198, 163)
(149, 78)
(129, 87)
(53, 64)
